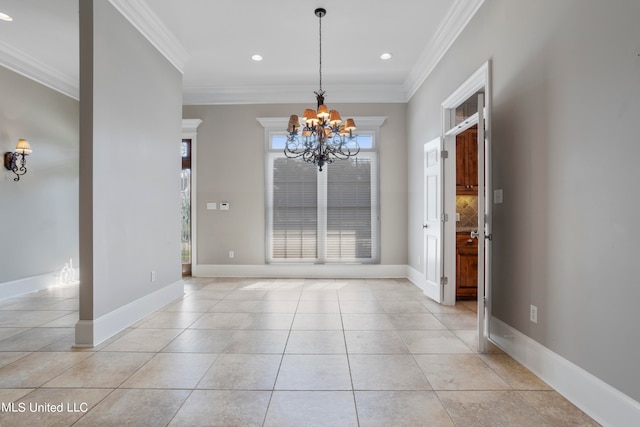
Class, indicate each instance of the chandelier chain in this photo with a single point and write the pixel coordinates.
(320, 33)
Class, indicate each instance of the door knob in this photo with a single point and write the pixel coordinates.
(425, 225)
(475, 235)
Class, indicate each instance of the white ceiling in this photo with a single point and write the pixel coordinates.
(211, 43)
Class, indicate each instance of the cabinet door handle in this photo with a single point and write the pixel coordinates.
(474, 234)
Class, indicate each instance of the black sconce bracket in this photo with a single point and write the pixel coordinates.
(15, 162)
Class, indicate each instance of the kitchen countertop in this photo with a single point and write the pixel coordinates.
(465, 229)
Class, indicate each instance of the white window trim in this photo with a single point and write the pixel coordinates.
(366, 125)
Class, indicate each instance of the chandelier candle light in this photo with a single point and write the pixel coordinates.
(321, 138)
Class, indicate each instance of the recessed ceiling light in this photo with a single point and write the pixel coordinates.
(257, 58)
(386, 56)
(5, 17)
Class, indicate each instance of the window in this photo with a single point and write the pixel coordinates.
(322, 217)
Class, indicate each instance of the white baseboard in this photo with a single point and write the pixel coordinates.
(605, 404)
(19, 287)
(90, 333)
(310, 271)
(16, 288)
(417, 278)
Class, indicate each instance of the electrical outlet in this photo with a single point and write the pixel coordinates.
(153, 275)
(232, 254)
(533, 314)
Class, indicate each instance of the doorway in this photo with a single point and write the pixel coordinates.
(185, 192)
(467, 211)
(466, 126)
(189, 195)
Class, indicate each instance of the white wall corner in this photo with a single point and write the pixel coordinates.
(90, 333)
(605, 404)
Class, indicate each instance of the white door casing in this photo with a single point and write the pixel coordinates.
(190, 131)
(431, 225)
(478, 82)
(482, 341)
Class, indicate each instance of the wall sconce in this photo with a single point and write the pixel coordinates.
(16, 161)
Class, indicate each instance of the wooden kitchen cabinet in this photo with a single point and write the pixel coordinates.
(466, 266)
(467, 162)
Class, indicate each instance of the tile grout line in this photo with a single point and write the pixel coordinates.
(284, 350)
(344, 337)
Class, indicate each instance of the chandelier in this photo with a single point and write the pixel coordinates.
(321, 138)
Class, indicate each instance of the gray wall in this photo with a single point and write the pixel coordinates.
(230, 167)
(40, 212)
(566, 96)
(131, 123)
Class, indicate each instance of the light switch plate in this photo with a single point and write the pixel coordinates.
(212, 206)
(497, 196)
(533, 314)
(224, 206)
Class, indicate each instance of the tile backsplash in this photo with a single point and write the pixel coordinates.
(467, 207)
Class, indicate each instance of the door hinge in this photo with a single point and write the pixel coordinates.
(444, 217)
(444, 154)
(444, 281)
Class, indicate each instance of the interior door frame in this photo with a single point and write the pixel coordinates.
(190, 131)
(187, 164)
(480, 80)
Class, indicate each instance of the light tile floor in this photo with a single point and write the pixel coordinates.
(245, 352)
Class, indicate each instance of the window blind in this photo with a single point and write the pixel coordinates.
(294, 210)
(349, 209)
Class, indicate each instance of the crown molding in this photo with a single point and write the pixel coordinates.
(230, 95)
(456, 20)
(138, 13)
(190, 126)
(30, 67)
